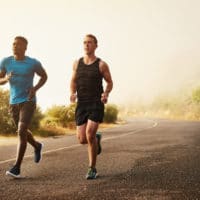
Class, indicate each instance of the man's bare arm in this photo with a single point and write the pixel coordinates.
(73, 83)
(107, 77)
(43, 78)
(4, 78)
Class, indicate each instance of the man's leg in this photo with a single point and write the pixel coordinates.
(22, 115)
(26, 114)
(15, 170)
(22, 134)
(81, 133)
(91, 130)
(31, 140)
(37, 146)
(92, 148)
(86, 134)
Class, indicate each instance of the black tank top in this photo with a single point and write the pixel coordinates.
(89, 82)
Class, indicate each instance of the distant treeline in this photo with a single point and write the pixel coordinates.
(185, 104)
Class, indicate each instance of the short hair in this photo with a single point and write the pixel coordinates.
(22, 39)
(93, 37)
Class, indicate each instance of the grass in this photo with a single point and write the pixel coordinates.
(56, 131)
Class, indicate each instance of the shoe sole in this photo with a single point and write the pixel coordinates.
(13, 175)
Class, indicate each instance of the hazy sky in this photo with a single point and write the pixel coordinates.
(150, 45)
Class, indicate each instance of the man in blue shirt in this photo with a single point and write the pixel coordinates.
(19, 71)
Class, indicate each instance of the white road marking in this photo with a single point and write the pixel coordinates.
(132, 132)
(77, 145)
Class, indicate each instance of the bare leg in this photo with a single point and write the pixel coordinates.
(86, 134)
(22, 134)
(31, 140)
(81, 134)
(91, 130)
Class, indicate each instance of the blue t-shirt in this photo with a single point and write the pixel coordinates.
(22, 79)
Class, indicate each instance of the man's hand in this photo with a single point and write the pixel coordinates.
(73, 98)
(31, 93)
(104, 97)
(8, 76)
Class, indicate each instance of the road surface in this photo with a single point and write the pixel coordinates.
(141, 160)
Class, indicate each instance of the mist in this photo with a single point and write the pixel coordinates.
(152, 47)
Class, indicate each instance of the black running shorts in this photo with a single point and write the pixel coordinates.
(93, 111)
(23, 112)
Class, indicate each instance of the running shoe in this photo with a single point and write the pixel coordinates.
(98, 136)
(38, 153)
(92, 173)
(14, 172)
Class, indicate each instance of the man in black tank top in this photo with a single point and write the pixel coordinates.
(86, 86)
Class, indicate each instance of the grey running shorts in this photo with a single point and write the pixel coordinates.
(22, 112)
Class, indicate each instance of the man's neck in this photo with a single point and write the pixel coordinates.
(88, 59)
(19, 57)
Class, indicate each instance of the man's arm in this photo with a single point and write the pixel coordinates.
(73, 83)
(4, 78)
(104, 69)
(43, 78)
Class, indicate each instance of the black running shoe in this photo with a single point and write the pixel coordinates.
(14, 172)
(38, 154)
(98, 136)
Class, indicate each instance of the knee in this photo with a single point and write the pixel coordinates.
(22, 129)
(82, 140)
(90, 137)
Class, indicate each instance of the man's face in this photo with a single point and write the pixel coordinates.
(19, 47)
(89, 45)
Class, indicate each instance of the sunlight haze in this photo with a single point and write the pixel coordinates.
(151, 46)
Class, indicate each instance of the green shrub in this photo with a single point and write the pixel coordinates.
(59, 116)
(6, 122)
(196, 95)
(49, 122)
(37, 117)
(111, 113)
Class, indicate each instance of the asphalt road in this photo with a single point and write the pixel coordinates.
(141, 160)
